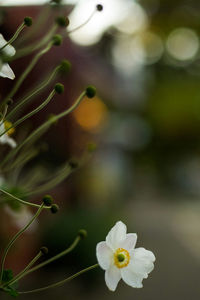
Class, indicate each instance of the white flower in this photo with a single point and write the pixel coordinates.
(119, 258)
(5, 70)
(5, 138)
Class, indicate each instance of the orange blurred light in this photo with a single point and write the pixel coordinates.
(91, 114)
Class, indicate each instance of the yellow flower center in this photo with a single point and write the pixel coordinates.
(7, 125)
(121, 258)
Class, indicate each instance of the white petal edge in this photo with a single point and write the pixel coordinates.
(9, 49)
(5, 139)
(112, 277)
(104, 255)
(131, 278)
(142, 253)
(116, 235)
(129, 242)
(142, 262)
(7, 72)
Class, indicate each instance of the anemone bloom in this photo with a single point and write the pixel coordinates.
(120, 260)
(5, 69)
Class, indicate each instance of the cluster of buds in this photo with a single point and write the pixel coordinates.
(15, 155)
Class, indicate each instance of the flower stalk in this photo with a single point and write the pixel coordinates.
(17, 235)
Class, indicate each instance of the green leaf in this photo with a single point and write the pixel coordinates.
(7, 275)
(11, 291)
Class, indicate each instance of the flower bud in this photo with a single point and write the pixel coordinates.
(99, 7)
(65, 66)
(57, 40)
(82, 233)
(62, 21)
(54, 208)
(48, 200)
(90, 91)
(73, 163)
(44, 250)
(59, 88)
(9, 102)
(28, 21)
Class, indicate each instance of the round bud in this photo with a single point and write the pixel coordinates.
(82, 233)
(28, 21)
(57, 40)
(90, 91)
(44, 250)
(62, 21)
(99, 7)
(91, 147)
(59, 88)
(65, 66)
(9, 102)
(48, 200)
(54, 208)
(73, 163)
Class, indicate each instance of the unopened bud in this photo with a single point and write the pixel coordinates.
(28, 21)
(82, 233)
(90, 91)
(54, 208)
(48, 200)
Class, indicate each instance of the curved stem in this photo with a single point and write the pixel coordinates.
(19, 29)
(20, 275)
(37, 45)
(22, 201)
(33, 112)
(26, 72)
(33, 93)
(83, 24)
(66, 251)
(60, 282)
(17, 235)
(43, 128)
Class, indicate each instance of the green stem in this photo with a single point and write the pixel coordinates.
(37, 45)
(63, 253)
(52, 182)
(33, 93)
(20, 275)
(17, 235)
(83, 24)
(22, 201)
(26, 72)
(60, 282)
(41, 129)
(33, 112)
(19, 29)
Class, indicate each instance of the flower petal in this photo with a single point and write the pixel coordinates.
(129, 242)
(9, 49)
(7, 72)
(141, 262)
(104, 255)
(112, 277)
(5, 139)
(131, 278)
(116, 235)
(143, 254)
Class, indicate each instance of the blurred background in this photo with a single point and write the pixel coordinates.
(144, 58)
